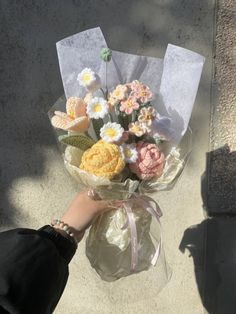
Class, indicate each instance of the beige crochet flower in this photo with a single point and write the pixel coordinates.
(147, 115)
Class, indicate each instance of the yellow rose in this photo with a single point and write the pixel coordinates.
(103, 160)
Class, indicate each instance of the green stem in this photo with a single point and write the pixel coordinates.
(106, 79)
(87, 134)
(110, 117)
(97, 125)
(104, 93)
(133, 116)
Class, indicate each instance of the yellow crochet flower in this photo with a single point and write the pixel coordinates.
(103, 160)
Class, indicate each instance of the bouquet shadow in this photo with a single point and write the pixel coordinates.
(212, 242)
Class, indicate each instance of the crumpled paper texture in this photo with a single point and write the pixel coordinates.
(108, 246)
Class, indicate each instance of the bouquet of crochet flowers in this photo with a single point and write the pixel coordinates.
(123, 127)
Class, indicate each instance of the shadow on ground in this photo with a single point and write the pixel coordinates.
(215, 259)
(30, 78)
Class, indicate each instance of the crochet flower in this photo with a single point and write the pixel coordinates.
(89, 79)
(75, 118)
(130, 153)
(138, 128)
(135, 85)
(120, 92)
(150, 161)
(141, 91)
(147, 115)
(97, 108)
(111, 132)
(113, 102)
(103, 160)
(129, 105)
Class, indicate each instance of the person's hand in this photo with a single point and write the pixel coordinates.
(83, 209)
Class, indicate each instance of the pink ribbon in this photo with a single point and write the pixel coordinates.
(147, 203)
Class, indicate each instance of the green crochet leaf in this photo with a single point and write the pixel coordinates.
(80, 141)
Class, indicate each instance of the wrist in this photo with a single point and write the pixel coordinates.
(66, 230)
(62, 232)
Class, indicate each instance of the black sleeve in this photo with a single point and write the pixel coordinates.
(33, 269)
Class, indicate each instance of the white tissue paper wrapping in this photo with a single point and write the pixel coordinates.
(174, 81)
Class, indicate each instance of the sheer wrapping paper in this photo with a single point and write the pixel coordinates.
(174, 81)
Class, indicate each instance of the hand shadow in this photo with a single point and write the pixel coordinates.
(212, 243)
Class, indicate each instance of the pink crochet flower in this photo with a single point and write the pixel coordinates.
(135, 85)
(140, 91)
(150, 162)
(129, 105)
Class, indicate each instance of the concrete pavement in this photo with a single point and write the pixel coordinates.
(34, 185)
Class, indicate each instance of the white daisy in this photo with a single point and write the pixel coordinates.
(86, 77)
(89, 79)
(111, 132)
(130, 153)
(97, 108)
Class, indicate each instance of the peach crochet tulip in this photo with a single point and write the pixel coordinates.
(150, 162)
(75, 119)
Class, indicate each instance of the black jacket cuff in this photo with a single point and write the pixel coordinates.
(66, 246)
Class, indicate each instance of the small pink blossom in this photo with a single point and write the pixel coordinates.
(140, 91)
(144, 94)
(129, 105)
(150, 162)
(135, 85)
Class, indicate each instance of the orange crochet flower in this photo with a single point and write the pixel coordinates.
(75, 119)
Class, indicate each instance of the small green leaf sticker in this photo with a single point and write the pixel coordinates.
(80, 141)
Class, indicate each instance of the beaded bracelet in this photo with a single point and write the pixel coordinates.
(63, 226)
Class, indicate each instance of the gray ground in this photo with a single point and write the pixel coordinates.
(220, 202)
(34, 186)
(222, 160)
